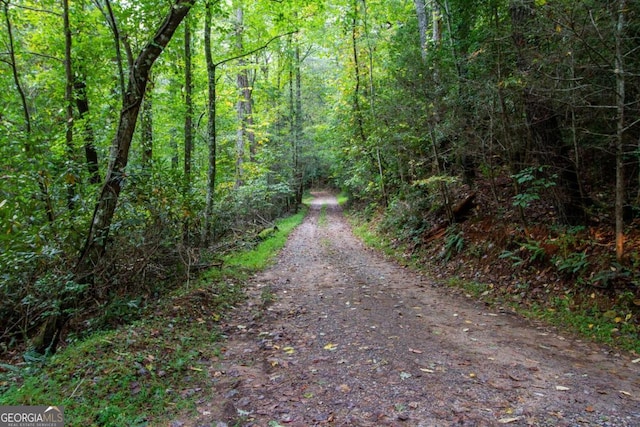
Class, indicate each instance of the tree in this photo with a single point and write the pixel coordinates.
(188, 100)
(542, 119)
(357, 72)
(245, 132)
(297, 120)
(96, 241)
(212, 144)
(146, 124)
(98, 233)
(16, 75)
(211, 125)
(68, 98)
(421, 14)
(620, 128)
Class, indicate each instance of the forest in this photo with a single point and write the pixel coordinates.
(142, 141)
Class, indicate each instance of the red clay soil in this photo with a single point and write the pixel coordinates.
(352, 339)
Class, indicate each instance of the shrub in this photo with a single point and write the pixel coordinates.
(407, 217)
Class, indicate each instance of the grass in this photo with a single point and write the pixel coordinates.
(322, 219)
(124, 377)
(375, 240)
(473, 288)
(143, 373)
(611, 327)
(343, 198)
(262, 255)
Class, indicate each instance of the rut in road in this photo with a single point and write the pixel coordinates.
(353, 339)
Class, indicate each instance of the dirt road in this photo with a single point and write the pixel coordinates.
(351, 339)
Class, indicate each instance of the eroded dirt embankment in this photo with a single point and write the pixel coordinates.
(352, 339)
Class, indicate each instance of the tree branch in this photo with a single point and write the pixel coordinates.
(44, 55)
(251, 52)
(33, 9)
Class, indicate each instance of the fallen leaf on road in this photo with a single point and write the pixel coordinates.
(562, 388)
(405, 375)
(344, 388)
(508, 420)
(412, 350)
(636, 360)
(289, 350)
(589, 409)
(330, 347)
(428, 371)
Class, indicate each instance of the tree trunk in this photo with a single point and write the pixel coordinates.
(211, 126)
(188, 120)
(47, 339)
(421, 13)
(146, 123)
(436, 35)
(175, 151)
(98, 233)
(297, 125)
(357, 110)
(16, 77)
(245, 132)
(48, 336)
(439, 170)
(242, 81)
(292, 114)
(295, 118)
(247, 95)
(117, 38)
(620, 97)
(68, 101)
(90, 152)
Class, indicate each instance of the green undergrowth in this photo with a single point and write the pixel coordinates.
(263, 254)
(383, 243)
(343, 199)
(141, 373)
(610, 327)
(567, 310)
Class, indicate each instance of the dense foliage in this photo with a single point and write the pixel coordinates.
(127, 162)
